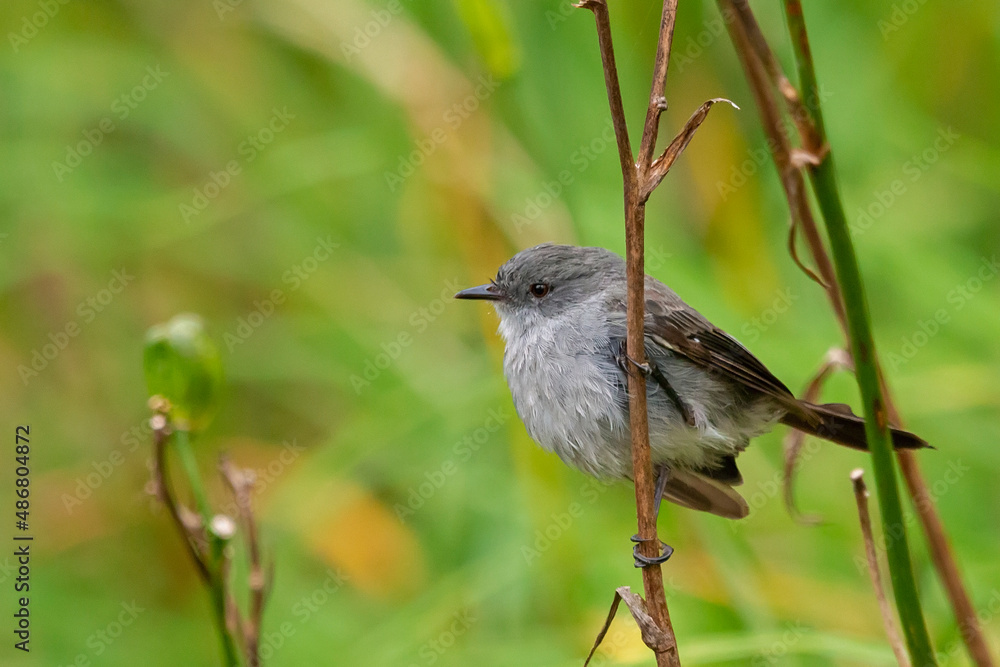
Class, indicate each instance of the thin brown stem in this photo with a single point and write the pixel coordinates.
(241, 483)
(888, 619)
(164, 491)
(750, 47)
(642, 468)
(792, 180)
(656, 172)
(797, 110)
(603, 20)
(657, 101)
(941, 552)
(201, 544)
(634, 179)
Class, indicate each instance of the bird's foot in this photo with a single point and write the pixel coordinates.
(627, 363)
(651, 370)
(666, 551)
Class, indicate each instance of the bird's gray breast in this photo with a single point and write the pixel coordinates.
(567, 388)
(571, 395)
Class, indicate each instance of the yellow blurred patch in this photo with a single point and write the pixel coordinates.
(489, 25)
(969, 386)
(362, 537)
(622, 645)
(794, 596)
(726, 174)
(694, 569)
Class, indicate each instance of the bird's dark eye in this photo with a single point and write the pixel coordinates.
(538, 290)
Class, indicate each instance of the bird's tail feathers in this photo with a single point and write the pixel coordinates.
(698, 492)
(837, 423)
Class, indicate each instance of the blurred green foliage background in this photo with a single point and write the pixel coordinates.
(316, 178)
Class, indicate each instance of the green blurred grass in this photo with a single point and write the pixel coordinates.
(329, 512)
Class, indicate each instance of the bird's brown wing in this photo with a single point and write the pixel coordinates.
(698, 491)
(683, 331)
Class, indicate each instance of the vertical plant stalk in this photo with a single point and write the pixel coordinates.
(754, 53)
(163, 490)
(782, 152)
(207, 540)
(639, 179)
(182, 444)
(865, 519)
(904, 584)
(202, 546)
(241, 484)
(940, 549)
(794, 186)
(635, 218)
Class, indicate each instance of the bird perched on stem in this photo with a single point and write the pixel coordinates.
(562, 317)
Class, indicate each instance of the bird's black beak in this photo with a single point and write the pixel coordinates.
(488, 292)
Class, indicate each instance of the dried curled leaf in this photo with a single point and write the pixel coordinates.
(661, 165)
(652, 635)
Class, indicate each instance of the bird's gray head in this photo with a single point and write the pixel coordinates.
(547, 280)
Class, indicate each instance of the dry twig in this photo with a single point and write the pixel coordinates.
(207, 545)
(888, 620)
(241, 484)
(753, 52)
(640, 178)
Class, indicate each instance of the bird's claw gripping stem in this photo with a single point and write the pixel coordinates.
(666, 551)
(652, 370)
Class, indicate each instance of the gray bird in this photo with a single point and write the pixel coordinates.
(562, 316)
